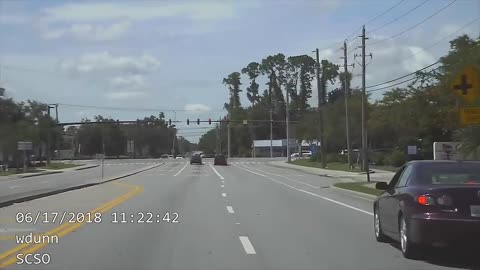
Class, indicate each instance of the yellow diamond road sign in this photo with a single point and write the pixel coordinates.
(470, 115)
(467, 84)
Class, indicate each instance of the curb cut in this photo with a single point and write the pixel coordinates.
(354, 192)
(54, 192)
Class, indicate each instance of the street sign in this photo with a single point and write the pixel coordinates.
(130, 146)
(470, 115)
(24, 145)
(412, 149)
(467, 84)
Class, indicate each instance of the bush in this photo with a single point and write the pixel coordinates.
(337, 158)
(396, 159)
(378, 158)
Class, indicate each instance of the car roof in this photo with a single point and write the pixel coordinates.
(441, 161)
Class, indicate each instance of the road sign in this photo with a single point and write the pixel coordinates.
(412, 149)
(24, 145)
(447, 151)
(467, 84)
(470, 115)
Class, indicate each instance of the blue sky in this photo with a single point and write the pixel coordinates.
(173, 55)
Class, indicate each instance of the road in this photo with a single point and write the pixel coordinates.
(10, 189)
(248, 215)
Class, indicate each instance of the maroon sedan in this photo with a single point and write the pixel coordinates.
(430, 203)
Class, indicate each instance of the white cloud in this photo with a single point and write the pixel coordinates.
(14, 19)
(89, 32)
(88, 12)
(197, 107)
(125, 95)
(128, 81)
(105, 62)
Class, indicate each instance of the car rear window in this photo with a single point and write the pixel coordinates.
(451, 173)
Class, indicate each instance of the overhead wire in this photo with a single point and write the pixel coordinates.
(415, 25)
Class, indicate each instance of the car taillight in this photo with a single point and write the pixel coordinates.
(425, 200)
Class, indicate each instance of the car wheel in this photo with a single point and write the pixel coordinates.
(378, 227)
(409, 249)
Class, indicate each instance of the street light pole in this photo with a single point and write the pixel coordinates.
(287, 121)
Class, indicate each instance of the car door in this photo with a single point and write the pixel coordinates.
(396, 196)
(385, 204)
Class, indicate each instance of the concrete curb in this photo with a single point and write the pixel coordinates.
(341, 178)
(354, 192)
(89, 167)
(40, 174)
(41, 194)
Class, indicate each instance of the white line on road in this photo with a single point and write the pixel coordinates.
(221, 177)
(222, 186)
(230, 209)
(296, 181)
(363, 198)
(14, 186)
(247, 245)
(224, 195)
(183, 168)
(308, 192)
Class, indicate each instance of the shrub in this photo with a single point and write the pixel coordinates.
(336, 158)
(396, 159)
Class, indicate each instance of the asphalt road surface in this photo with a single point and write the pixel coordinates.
(247, 215)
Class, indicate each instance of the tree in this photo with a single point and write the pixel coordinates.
(233, 83)
(253, 71)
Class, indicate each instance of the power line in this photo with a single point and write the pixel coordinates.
(407, 80)
(373, 19)
(442, 39)
(135, 109)
(404, 76)
(415, 25)
(397, 18)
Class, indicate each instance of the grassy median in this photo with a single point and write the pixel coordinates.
(336, 166)
(59, 166)
(359, 187)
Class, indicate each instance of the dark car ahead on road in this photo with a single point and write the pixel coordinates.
(430, 203)
(196, 159)
(220, 160)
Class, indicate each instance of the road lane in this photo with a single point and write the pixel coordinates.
(232, 218)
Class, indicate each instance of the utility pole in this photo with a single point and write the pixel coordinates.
(271, 116)
(347, 124)
(365, 165)
(320, 110)
(174, 134)
(287, 122)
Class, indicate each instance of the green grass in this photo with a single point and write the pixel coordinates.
(337, 166)
(59, 166)
(359, 187)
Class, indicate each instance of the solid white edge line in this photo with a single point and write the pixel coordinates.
(230, 209)
(247, 245)
(310, 193)
(181, 170)
(214, 170)
(296, 181)
(224, 195)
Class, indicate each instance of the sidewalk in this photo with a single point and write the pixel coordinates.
(45, 172)
(377, 176)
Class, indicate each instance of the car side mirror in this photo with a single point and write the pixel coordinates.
(381, 186)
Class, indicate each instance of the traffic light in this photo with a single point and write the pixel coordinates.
(198, 121)
(169, 122)
(188, 122)
(209, 121)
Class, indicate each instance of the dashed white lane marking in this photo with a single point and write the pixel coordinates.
(224, 195)
(308, 192)
(237, 223)
(230, 209)
(296, 181)
(221, 177)
(247, 245)
(13, 186)
(360, 197)
(222, 186)
(183, 168)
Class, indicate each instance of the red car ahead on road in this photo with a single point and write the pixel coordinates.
(430, 202)
(220, 160)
